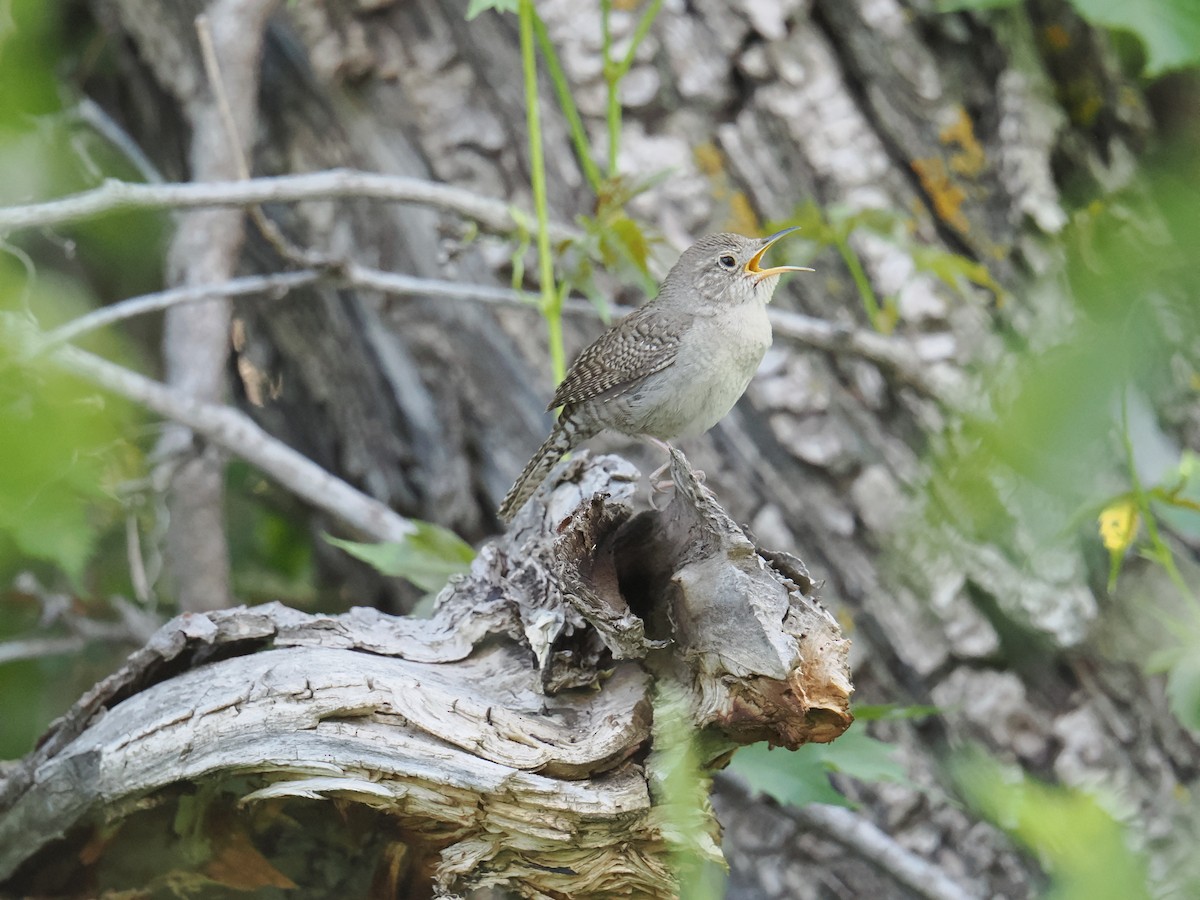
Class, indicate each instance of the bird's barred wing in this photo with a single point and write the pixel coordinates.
(639, 345)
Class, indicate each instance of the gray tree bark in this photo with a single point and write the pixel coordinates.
(959, 123)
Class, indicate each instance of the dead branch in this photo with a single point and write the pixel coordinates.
(234, 432)
(501, 742)
(870, 842)
(892, 354)
(492, 215)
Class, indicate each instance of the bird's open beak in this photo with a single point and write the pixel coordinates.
(758, 274)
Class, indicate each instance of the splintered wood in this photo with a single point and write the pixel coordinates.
(502, 742)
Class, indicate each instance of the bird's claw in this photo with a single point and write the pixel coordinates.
(659, 489)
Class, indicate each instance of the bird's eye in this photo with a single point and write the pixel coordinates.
(727, 261)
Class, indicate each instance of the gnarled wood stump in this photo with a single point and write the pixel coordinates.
(504, 741)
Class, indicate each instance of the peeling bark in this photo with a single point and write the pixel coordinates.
(508, 733)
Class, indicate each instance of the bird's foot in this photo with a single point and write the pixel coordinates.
(661, 494)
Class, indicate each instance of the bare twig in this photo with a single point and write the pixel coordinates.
(90, 113)
(276, 286)
(869, 842)
(115, 196)
(39, 647)
(137, 563)
(410, 285)
(271, 285)
(135, 627)
(212, 71)
(874, 845)
(22, 299)
(267, 226)
(238, 434)
(888, 352)
(894, 354)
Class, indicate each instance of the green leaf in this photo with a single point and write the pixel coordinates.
(845, 220)
(479, 6)
(890, 712)
(813, 225)
(427, 557)
(802, 776)
(797, 778)
(30, 38)
(633, 240)
(1170, 29)
(861, 756)
(59, 443)
(953, 268)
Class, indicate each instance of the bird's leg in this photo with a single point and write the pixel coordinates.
(657, 486)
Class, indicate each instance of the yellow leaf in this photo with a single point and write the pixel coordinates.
(1118, 525)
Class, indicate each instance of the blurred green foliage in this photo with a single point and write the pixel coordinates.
(29, 38)
(74, 495)
(1057, 427)
(1086, 853)
(270, 544)
(1168, 29)
(428, 557)
(65, 447)
(62, 447)
(680, 783)
(1075, 437)
(802, 776)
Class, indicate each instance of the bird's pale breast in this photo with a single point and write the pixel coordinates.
(712, 370)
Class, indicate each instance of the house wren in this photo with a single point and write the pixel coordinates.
(674, 367)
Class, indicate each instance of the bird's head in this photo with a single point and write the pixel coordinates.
(725, 269)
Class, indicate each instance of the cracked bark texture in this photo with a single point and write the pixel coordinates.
(505, 741)
(959, 123)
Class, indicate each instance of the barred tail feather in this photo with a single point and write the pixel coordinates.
(566, 434)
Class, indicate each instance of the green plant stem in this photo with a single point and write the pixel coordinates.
(614, 72)
(613, 83)
(562, 90)
(1161, 552)
(551, 306)
(639, 35)
(861, 282)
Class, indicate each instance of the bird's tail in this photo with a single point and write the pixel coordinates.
(566, 434)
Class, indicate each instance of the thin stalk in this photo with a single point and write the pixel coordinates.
(861, 281)
(1161, 552)
(613, 84)
(639, 35)
(614, 72)
(562, 90)
(551, 307)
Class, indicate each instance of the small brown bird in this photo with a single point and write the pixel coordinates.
(674, 367)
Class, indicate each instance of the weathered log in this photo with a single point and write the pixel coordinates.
(506, 737)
